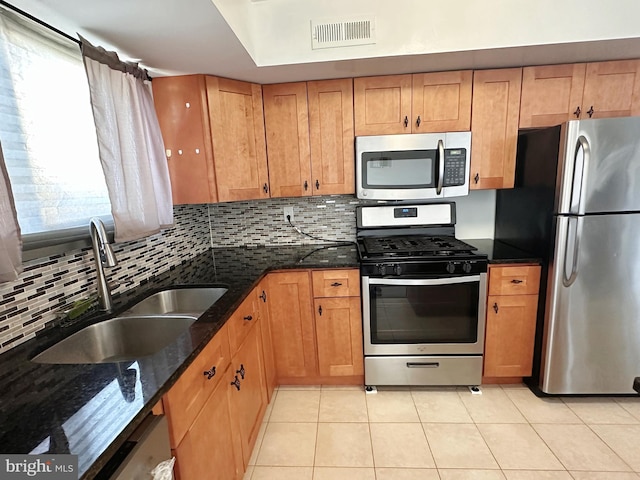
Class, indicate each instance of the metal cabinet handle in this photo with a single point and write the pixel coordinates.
(306, 185)
(336, 284)
(241, 371)
(577, 112)
(418, 121)
(265, 187)
(495, 307)
(515, 280)
(248, 318)
(591, 111)
(210, 373)
(263, 296)
(476, 178)
(320, 310)
(317, 185)
(406, 121)
(236, 383)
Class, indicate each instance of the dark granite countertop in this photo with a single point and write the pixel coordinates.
(90, 410)
(500, 252)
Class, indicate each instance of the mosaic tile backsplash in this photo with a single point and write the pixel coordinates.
(30, 303)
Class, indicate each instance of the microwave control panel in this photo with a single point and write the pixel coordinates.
(455, 161)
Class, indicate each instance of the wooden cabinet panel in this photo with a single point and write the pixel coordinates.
(494, 127)
(336, 283)
(180, 104)
(551, 94)
(339, 334)
(237, 131)
(263, 300)
(382, 105)
(612, 89)
(248, 400)
(331, 136)
(442, 102)
(241, 322)
(188, 395)
(292, 329)
(514, 280)
(206, 449)
(287, 128)
(510, 335)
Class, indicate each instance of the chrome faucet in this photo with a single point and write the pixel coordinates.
(104, 257)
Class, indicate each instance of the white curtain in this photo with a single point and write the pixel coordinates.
(130, 145)
(10, 239)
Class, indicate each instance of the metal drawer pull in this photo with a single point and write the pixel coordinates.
(236, 382)
(515, 280)
(577, 112)
(210, 373)
(406, 122)
(495, 307)
(320, 310)
(423, 364)
(241, 371)
(248, 318)
(336, 284)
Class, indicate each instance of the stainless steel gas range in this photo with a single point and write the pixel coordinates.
(423, 297)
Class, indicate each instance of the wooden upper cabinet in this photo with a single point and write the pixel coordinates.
(331, 136)
(612, 89)
(382, 105)
(551, 94)
(181, 106)
(494, 127)
(287, 126)
(442, 102)
(237, 131)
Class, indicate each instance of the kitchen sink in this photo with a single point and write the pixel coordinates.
(118, 339)
(184, 301)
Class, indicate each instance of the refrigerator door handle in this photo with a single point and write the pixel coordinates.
(580, 169)
(567, 280)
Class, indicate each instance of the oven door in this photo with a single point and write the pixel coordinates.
(424, 316)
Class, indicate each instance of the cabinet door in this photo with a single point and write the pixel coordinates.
(181, 104)
(208, 446)
(263, 300)
(331, 136)
(249, 398)
(510, 334)
(612, 89)
(237, 130)
(287, 125)
(551, 94)
(339, 334)
(514, 280)
(382, 105)
(292, 330)
(494, 127)
(441, 102)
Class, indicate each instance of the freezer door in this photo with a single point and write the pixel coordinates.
(601, 168)
(592, 321)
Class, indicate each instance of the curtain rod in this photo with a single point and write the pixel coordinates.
(39, 22)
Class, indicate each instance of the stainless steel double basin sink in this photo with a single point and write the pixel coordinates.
(142, 330)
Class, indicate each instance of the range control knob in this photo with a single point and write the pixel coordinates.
(466, 267)
(382, 269)
(451, 267)
(397, 269)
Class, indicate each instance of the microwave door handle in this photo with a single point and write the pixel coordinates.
(440, 163)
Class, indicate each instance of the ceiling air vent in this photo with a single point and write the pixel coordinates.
(343, 33)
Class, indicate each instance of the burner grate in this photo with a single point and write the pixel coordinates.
(417, 245)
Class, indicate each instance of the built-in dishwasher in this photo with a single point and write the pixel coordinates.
(141, 453)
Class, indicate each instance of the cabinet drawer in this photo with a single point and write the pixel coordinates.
(186, 398)
(336, 283)
(241, 322)
(514, 280)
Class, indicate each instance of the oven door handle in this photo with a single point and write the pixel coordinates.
(426, 281)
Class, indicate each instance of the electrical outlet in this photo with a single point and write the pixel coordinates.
(288, 211)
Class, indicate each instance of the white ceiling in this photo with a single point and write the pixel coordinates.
(191, 36)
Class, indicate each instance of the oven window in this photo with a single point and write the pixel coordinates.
(446, 313)
(413, 169)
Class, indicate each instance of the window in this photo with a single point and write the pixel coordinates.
(47, 132)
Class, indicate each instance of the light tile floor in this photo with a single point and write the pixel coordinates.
(507, 433)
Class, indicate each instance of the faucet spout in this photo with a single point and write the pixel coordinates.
(104, 257)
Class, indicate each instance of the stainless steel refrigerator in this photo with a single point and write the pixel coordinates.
(576, 205)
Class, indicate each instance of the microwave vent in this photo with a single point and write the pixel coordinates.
(342, 33)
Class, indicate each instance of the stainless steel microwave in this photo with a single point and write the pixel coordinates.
(413, 166)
